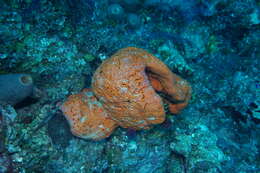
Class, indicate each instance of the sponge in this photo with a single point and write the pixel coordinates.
(15, 87)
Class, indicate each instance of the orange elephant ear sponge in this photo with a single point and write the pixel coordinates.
(87, 117)
(127, 82)
(126, 91)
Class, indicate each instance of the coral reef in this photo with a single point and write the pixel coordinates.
(60, 44)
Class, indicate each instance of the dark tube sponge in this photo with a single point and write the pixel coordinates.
(15, 87)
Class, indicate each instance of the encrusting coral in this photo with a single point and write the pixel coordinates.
(127, 90)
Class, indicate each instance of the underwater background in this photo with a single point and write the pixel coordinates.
(50, 49)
